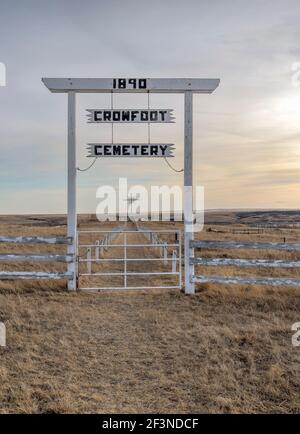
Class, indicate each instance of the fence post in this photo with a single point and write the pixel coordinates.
(89, 257)
(161, 249)
(165, 254)
(97, 250)
(174, 257)
(102, 248)
(2, 335)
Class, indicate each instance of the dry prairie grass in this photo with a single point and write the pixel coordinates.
(226, 349)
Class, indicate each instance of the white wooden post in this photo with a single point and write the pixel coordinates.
(2, 335)
(72, 215)
(97, 250)
(157, 242)
(188, 191)
(102, 248)
(125, 259)
(165, 254)
(161, 249)
(174, 257)
(89, 262)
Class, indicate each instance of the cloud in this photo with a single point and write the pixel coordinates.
(243, 144)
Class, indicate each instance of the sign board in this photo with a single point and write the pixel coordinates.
(131, 115)
(136, 85)
(130, 150)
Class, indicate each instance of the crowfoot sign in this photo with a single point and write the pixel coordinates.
(125, 115)
(130, 150)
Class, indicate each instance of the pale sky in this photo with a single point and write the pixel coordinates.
(246, 134)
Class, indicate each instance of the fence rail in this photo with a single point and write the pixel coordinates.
(245, 262)
(247, 280)
(11, 275)
(35, 257)
(243, 245)
(36, 240)
(274, 281)
(32, 257)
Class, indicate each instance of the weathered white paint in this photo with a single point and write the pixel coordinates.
(156, 85)
(101, 248)
(188, 192)
(246, 262)
(244, 245)
(130, 150)
(174, 261)
(105, 243)
(125, 261)
(248, 280)
(97, 250)
(36, 240)
(89, 260)
(35, 257)
(11, 275)
(72, 214)
(2, 335)
(165, 254)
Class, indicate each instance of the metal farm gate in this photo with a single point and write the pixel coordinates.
(129, 259)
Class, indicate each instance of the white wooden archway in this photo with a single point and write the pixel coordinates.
(185, 86)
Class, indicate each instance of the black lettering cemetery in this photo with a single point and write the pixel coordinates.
(129, 150)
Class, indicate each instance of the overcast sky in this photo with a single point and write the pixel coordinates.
(246, 134)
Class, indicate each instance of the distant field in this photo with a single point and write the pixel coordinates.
(226, 349)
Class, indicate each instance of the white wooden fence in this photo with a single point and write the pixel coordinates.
(245, 262)
(161, 245)
(24, 257)
(100, 247)
(156, 242)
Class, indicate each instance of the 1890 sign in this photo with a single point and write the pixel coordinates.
(130, 83)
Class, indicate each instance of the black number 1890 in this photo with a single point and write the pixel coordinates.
(130, 83)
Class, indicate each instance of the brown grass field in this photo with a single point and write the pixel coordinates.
(225, 350)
